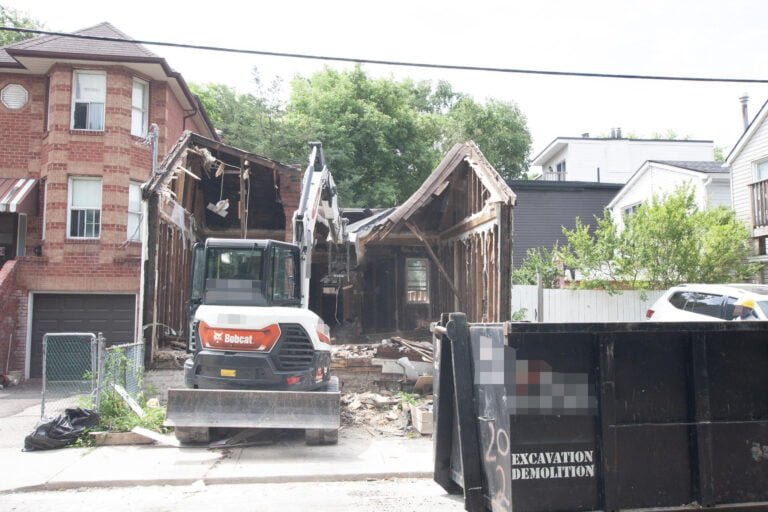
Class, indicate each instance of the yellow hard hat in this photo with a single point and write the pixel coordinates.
(747, 303)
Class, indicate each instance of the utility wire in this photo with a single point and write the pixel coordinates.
(424, 65)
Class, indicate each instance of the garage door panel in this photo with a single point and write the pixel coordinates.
(112, 315)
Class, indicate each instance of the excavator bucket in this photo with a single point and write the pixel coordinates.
(214, 408)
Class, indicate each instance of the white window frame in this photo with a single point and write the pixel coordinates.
(757, 164)
(45, 208)
(75, 74)
(630, 209)
(70, 189)
(21, 235)
(424, 300)
(140, 131)
(134, 235)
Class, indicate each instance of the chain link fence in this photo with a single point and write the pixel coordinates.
(122, 365)
(78, 368)
(70, 368)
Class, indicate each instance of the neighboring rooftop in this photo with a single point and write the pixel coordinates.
(709, 167)
(67, 46)
(561, 185)
(560, 142)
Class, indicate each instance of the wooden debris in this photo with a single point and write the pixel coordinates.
(128, 399)
(162, 439)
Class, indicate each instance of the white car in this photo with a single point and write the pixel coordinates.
(708, 302)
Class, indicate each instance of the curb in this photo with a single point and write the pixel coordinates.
(276, 479)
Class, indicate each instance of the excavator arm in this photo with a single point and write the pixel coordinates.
(319, 203)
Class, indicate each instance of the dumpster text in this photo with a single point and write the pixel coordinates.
(546, 465)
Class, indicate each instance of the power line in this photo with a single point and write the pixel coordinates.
(424, 65)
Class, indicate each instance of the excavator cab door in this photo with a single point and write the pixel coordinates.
(196, 292)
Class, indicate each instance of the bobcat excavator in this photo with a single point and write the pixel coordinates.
(261, 358)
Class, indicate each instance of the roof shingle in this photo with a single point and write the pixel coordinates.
(67, 45)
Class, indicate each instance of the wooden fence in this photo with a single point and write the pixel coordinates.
(565, 305)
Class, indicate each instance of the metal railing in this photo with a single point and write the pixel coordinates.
(759, 199)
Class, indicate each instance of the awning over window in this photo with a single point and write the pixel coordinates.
(18, 195)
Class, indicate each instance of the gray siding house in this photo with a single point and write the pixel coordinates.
(545, 207)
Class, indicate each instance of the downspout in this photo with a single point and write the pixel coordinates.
(187, 116)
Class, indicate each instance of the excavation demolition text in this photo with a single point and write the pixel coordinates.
(579, 464)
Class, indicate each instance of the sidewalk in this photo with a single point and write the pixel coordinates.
(358, 456)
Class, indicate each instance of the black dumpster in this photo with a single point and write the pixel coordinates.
(615, 416)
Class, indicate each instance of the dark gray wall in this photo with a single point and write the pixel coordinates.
(544, 207)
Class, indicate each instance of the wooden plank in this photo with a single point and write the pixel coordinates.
(488, 215)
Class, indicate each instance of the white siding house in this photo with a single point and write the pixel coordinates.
(710, 181)
(749, 182)
(613, 160)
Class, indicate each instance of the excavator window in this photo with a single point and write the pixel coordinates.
(234, 276)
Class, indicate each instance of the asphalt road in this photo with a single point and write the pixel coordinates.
(380, 495)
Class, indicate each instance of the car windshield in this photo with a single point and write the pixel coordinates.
(234, 276)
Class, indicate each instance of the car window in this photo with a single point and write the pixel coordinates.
(763, 305)
(704, 304)
(678, 299)
(730, 303)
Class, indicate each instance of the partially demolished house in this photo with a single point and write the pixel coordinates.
(203, 189)
(447, 248)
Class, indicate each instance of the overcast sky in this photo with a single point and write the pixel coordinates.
(714, 38)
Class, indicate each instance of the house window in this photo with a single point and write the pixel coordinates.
(134, 211)
(139, 107)
(629, 210)
(84, 208)
(762, 170)
(417, 280)
(88, 97)
(560, 168)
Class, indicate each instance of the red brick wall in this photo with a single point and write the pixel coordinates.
(53, 152)
(22, 130)
(8, 317)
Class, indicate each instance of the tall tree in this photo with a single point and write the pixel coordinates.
(499, 128)
(379, 134)
(13, 18)
(382, 137)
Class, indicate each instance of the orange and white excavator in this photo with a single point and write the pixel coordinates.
(261, 358)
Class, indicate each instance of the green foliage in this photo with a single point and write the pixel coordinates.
(539, 261)
(407, 398)
(499, 128)
(115, 415)
(665, 242)
(519, 315)
(379, 134)
(381, 137)
(719, 155)
(13, 18)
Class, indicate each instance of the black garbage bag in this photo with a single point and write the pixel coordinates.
(61, 430)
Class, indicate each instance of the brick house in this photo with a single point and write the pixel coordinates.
(73, 117)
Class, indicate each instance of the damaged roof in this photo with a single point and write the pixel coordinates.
(380, 225)
(168, 166)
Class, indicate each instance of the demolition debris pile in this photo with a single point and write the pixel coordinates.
(384, 383)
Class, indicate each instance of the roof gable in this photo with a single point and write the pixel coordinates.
(466, 153)
(748, 133)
